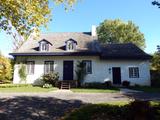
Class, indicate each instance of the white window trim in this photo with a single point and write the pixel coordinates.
(134, 74)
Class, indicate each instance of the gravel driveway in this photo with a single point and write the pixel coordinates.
(53, 105)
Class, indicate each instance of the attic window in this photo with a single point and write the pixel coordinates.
(44, 45)
(71, 45)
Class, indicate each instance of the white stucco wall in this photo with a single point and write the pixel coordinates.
(100, 69)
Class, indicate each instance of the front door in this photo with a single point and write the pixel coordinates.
(116, 72)
(67, 70)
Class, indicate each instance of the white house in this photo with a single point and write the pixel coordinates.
(60, 52)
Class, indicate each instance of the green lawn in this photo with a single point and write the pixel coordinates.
(116, 111)
(93, 90)
(24, 88)
(147, 89)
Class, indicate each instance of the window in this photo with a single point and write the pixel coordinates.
(88, 66)
(134, 72)
(44, 46)
(71, 44)
(48, 67)
(30, 67)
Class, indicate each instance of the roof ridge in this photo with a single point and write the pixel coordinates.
(46, 33)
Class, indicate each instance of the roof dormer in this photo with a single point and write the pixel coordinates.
(44, 45)
(71, 45)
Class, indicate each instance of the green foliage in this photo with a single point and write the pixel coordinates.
(126, 83)
(98, 85)
(155, 78)
(22, 72)
(156, 3)
(136, 110)
(80, 72)
(14, 85)
(51, 78)
(47, 85)
(95, 90)
(27, 88)
(156, 61)
(27, 16)
(5, 69)
(117, 31)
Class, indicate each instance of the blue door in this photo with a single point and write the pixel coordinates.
(67, 70)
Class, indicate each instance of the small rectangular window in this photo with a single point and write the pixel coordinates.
(134, 72)
(88, 66)
(30, 67)
(48, 67)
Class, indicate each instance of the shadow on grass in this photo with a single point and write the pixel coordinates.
(143, 96)
(35, 108)
(137, 110)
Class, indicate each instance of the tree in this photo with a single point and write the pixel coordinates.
(80, 73)
(22, 73)
(156, 3)
(156, 60)
(20, 18)
(117, 31)
(5, 69)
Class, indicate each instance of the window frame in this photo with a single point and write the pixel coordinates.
(44, 46)
(30, 67)
(86, 68)
(133, 72)
(72, 44)
(49, 71)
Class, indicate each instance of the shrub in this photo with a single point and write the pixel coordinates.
(95, 85)
(136, 85)
(155, 78)
(51, 78)
(80, 73)
(22, 72)
(108, 83)
(126, 83)
(39, 82)
(47, 85)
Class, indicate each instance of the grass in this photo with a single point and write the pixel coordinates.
(9, 88)
(147, 89)
(114, 111)
(94, 90)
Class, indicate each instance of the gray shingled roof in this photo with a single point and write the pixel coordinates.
(87, 45)
(84, 40)
(120, 51)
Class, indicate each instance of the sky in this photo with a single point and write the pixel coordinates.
(86, 13)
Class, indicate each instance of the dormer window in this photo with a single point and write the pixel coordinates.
(44, 45)
(71, 45)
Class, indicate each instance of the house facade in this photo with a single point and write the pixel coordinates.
(60, 52)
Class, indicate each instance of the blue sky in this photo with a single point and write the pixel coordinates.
(92, 12)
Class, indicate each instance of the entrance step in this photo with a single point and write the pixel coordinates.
(65, 85)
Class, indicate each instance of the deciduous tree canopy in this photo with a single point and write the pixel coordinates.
(5, 69)
(156, 60)
(26, 15)
(117, 31)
